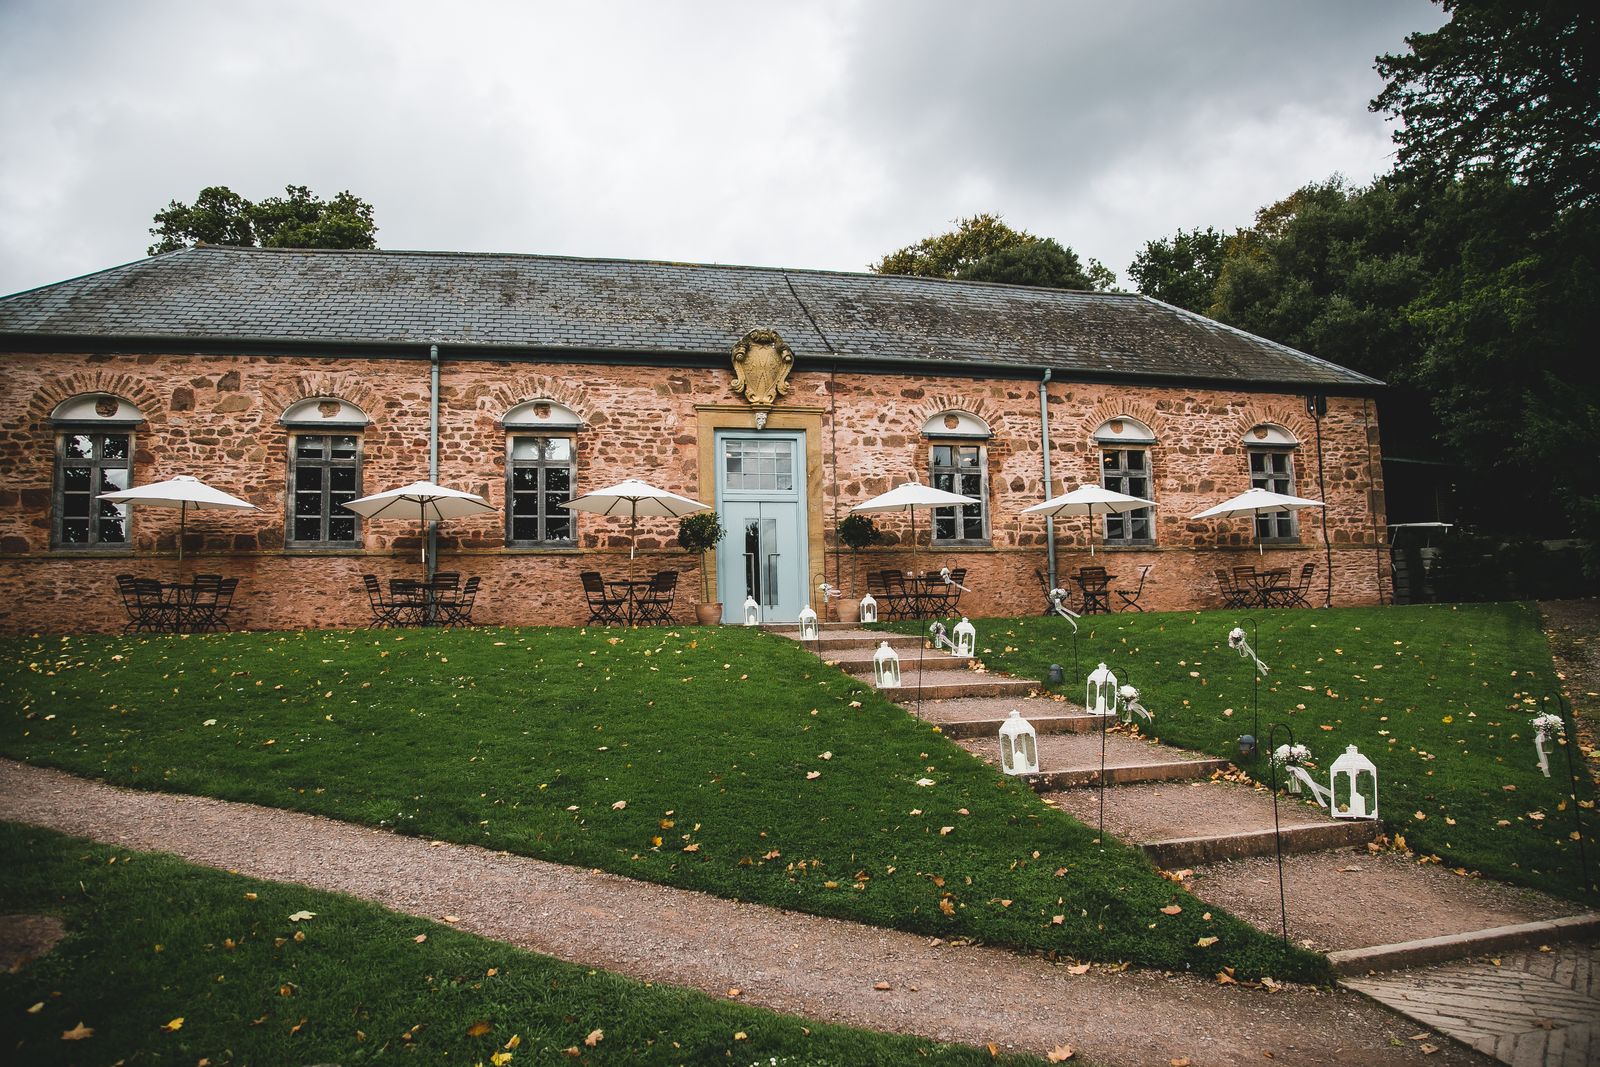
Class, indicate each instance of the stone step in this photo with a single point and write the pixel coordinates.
(946, 684)
(1071, 759)
(789, 629)
(1426, 950)
(1043, 722)
(1186, 824)
(830, 641)
(858, 660)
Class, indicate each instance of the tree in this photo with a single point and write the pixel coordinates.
(1043, 263)
(299, 219)
(1509, 88)
(1181, 269)
(984, 248)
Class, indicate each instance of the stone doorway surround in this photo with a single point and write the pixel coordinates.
(709, 418)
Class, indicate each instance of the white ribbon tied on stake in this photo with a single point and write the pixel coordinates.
(1058, 601)
(1237, 642)
(944, 572)
(1545, 727)
(1132, 707)
(940, 640)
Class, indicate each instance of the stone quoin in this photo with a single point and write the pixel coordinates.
(296, 378)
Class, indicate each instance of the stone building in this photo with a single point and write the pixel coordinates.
(298, 379)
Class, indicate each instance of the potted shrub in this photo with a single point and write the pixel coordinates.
(855, 533)
(700, 533)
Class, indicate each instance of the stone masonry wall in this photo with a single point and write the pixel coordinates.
(216, 417)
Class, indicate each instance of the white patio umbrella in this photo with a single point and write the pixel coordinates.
(423, 501)
(634, 498)
(1089, 500)
(1253, 502)
(184, 493)
(907, 497)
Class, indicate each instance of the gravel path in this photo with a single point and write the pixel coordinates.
(821, 968)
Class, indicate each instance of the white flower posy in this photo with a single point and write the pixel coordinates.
(1292, 756)
(1547, 726)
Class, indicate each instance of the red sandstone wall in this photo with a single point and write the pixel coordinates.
(216, 417)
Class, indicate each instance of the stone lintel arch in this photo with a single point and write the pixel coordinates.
(494, 401)
(284, 392)
(935, 404)
(1274, 415)
(136, 391)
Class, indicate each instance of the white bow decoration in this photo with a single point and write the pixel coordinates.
(944, 573)
(1132, 707)
(1058, 601)
(1545, 727)
(1237, 642)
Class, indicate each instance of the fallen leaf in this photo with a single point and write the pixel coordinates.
(1224, 978)
(943, 830)
(1078, 968)
(1205, 942)
(1057, 920)
(301, 916)
(450, 918)
(420, 938)
(925, 781)
(881, 986)
(595, 1037)
(500, 1059)
(692, 848)
(1171, 909)
(249, 896)
(77, 1033)
(947, 907)
(811, 775)
(1428, 1050)
(1180, 1062)
(826, 755)
(619, 805)
(1060, 1054)
(1420, 1037)
(295, 1029)
(174, 1026)
(479, 1028)
(741, 1036)
(37, 1008)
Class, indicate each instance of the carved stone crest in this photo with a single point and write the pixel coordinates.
(761, 366)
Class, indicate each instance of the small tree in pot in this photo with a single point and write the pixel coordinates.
(855, 533)
(700, 533)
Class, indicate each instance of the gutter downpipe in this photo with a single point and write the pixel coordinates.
(433, 451)
(1044, 439)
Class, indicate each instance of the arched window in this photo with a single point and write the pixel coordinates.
(958, 462)
(325, 439)
(94, 455)
(1270, 449)
(541, 472)
(1125, 468)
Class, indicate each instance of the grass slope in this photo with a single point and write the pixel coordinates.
(1438, 696)
(723, 759)
(153, 940)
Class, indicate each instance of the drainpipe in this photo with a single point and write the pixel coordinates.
(433, 450)
(1044, 438)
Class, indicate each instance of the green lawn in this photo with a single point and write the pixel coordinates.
(721, 759)
(1438, 696)
(169, 963)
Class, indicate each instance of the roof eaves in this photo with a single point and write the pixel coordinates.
(1294, 353)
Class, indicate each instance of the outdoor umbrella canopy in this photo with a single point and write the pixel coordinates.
(183, 493)
(422, 501)
(634, 498)
(1253, 502)
(1089, 500)
(907, 497)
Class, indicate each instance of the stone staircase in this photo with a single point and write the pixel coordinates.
(1369, 908)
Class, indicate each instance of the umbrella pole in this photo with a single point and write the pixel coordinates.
(183, 513)
(633, 534)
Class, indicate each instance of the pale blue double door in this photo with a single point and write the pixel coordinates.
(761, 498)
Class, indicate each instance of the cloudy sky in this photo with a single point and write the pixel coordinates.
(797, 134)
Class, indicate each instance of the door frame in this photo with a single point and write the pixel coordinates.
(787, 499)
(709, 418)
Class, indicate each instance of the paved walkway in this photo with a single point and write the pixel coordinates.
(1527, 1009)
(820, 968)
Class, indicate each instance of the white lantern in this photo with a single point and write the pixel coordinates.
(966, 638)
(1019, 746)
(869, 609)
(886, 667)
(752, 611)
(808, 624)
(1352, 765)
(1100, 694)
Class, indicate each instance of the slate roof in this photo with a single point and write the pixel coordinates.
(524, 303)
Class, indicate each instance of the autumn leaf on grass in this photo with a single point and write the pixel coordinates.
(174, 1026)
(619, 805)
(1060, 1054)
(500, 1059)
(479, 1028)
(301, 916)
(77, 1033)
(1205, 942)
(1171, 909)
(692, 848)
(420, 938)
(813, 775)
(947, 907)
(595, 1037)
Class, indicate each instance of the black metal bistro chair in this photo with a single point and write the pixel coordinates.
(1096, 586)
(1296, 594)
(654, 603)
(1130, 600)
(603, 607)
(1232, 595)
(457, 609)
(384, 610)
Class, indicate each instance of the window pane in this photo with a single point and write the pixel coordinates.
(524, 529)
(307, 504)
(969, 456)
(75, 479)
(944, 479)
(309, 446)
(1139, 487)
(308, 478)
(113, 479)
(944, 524)
(342, 479)
(1135, 459)
(941, 456)
(558, 449)
(553, 502)
(308, 529)
(75, 505)
(114, 446)
(341, 528)
(75, 531)
(1140, 526)
(973, 524)
(524, 478)
(525, 504)
(1115, 528)
(558, 480)
(78, 446)
(525, 448)
(972, 485)
(558, 527)
(344, 448)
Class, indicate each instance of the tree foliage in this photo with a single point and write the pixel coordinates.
(1182, 269)
(1509, 88)
(984, 249)
(298, 219)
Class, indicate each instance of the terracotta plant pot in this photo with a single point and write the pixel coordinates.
(708, 614)
(848, 610)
